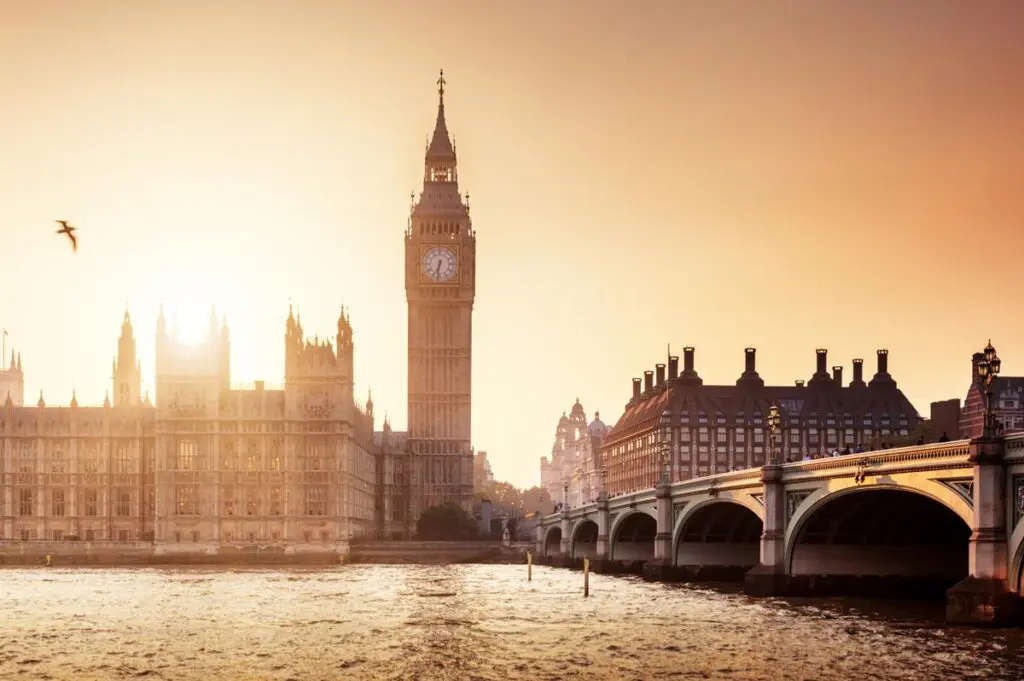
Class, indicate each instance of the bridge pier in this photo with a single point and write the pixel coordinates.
(603, 521)
(984, 598)
(565, 546)
(660, 568)
(768, 578)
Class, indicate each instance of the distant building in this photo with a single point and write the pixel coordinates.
(12, 382)
(1007, 402)
(704, 429)
(573, 465)
(482, 473)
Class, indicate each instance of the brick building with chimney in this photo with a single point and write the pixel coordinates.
(707, 429)
(1007, 402)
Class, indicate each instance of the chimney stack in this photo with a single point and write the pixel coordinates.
(648, 381)
(750, 364)
(837, 376)
(882, 376)
(799, 383)
(688, 360)
(660, 372)
(636, 388)
(749, 377)
(858, 373)
(673, 367)
(822, 362)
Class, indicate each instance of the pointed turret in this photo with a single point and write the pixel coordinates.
(12, 360)
(8, 402)
(440, 170)
(440, 147)
(369, 401)
(41, 403)
(74, 398)
(19, 361)
(106, 399)
(126, 373)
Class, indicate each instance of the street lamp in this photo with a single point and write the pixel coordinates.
(773, 427)
(988, 369)
(666, 421)
(565, 493)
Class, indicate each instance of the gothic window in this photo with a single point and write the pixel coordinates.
(90, 502)
(25, 502)
(253, 457)
(59, 503)
(702, 435)
(185, 500)
(275, 501)
(252, 502)
(123, 505)
(316, 500)
(187, 453)
(831, 436)
(26, 458)
(758, 436)
(229, 501)
(57, 461)
(122, 463)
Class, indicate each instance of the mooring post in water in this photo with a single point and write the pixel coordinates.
(586, 577)
(529, 566)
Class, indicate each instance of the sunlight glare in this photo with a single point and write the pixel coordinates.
(190, 312)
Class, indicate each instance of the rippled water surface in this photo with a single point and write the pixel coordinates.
(459, 622)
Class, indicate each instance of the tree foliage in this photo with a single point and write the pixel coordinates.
(446, 522)
(508, 499)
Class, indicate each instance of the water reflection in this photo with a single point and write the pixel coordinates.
(462, 622)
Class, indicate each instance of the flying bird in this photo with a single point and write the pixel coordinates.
(70, 231)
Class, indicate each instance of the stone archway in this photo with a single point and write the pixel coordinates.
(719, 539)
(553, 541)
(633, 538)
(584, 540)
(879, 540)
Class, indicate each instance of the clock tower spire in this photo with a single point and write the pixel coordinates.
(440, 285)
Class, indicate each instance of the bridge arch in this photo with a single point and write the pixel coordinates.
(916, 536)
(553, 541)
(1015, 548)
(719, 532)
(632, 536)
(584, 539)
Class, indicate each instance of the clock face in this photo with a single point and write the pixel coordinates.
(440, 264)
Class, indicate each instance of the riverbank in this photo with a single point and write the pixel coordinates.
(145, 554)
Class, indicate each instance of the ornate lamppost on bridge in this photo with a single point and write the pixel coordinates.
(773, 427)
(988, 369)
(565, 493)
(666, 420)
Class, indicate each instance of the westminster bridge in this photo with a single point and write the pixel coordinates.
(918, 520)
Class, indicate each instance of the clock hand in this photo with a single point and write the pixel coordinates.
(438, 270)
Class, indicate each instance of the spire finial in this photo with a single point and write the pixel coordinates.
(440, 84)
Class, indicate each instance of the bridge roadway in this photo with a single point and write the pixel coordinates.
(919, 520)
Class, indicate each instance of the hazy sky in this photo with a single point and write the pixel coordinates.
(786, 175)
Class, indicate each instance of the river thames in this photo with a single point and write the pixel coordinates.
(479, 622)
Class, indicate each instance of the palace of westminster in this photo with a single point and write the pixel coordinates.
(207, 466)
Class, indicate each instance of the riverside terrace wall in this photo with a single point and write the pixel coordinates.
(434, 552)
(114, 554)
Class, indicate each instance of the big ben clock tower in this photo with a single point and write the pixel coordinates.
(440, 284)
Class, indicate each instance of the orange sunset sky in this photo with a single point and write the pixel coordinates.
(785, 175)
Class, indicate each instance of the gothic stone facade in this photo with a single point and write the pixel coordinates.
(206, 466)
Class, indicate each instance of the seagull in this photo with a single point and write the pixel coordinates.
(70, 231)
